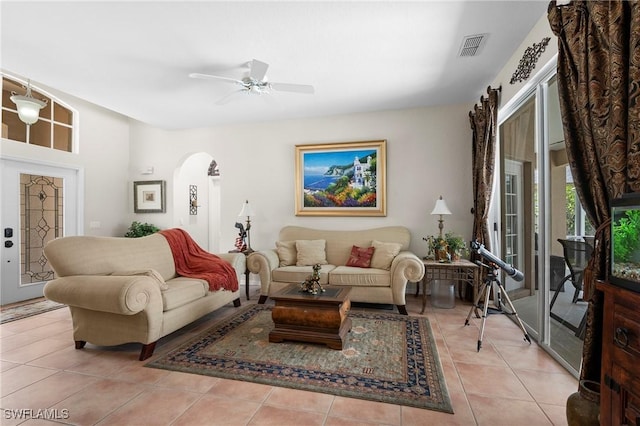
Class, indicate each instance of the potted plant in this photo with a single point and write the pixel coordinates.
(137, 230)
(456, 245)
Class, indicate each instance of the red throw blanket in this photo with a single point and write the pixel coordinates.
(194, 262)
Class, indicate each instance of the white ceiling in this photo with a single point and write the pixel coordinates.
(134, 57)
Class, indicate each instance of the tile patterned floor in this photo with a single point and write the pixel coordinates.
(508, 382)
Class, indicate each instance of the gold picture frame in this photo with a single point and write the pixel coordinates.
(149, 196)
(341, 179)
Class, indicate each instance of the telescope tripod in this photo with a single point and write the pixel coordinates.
(485, 290)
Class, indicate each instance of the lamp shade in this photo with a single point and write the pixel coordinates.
(441, 207)
(28, 106)
(247, 210)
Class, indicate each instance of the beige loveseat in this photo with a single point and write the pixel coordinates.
(385, 281)
(123, 290)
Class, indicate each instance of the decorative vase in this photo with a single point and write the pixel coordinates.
(583, 407)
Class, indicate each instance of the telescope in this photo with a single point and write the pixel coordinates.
(509, 269)
(490, 282)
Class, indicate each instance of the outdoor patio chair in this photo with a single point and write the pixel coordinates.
(576, 256)
(558, 272)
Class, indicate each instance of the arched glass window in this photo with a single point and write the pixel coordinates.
(54, 129)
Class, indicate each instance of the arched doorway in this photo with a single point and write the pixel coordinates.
(196, 198)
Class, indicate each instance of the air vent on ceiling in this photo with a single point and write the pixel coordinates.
(472, 44)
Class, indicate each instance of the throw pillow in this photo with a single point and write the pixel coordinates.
(360, 257)
(286, 252)
(311, 252)
(151, 273)
(384, 254)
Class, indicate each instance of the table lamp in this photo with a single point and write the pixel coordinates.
(441, 209)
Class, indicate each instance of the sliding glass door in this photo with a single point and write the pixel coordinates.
(541, 221)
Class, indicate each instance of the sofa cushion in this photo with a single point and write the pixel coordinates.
(339, 242)
(287, 253)
(359, 277)
(360, 257)
(311, 252)
(183, 290)
(151, 273)
(297, 274)
(384, 254)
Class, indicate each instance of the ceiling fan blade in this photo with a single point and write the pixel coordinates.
(215, 77)
(258, 70)
(297, 88)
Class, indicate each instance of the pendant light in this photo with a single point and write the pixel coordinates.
(28, 106)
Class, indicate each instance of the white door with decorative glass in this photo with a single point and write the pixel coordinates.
(39, 203)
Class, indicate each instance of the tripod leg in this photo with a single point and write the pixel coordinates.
(475, 304)
(484, 314)
(514, 312)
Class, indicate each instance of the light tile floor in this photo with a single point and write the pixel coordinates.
(508, 382)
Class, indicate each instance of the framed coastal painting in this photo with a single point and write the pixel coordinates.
(341, 179)
(148, 196)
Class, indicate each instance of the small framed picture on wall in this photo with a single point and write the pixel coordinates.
(149, 196)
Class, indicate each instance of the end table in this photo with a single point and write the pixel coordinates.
(461, 270)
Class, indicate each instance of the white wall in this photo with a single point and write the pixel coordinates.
(428, 154)
(541, 30)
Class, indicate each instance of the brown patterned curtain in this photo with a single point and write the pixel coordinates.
(598, 83)
(483, 120)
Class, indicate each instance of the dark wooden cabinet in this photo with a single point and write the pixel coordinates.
(620, 379)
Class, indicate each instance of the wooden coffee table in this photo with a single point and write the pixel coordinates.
(304, 317)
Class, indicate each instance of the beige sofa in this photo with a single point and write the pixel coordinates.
(123, 290)
(384, 282)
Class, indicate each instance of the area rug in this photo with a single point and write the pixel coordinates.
(387, 357)
(29, 309)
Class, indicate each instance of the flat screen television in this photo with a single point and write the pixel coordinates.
(625, 242)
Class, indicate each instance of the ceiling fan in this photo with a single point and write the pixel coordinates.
(256, 82)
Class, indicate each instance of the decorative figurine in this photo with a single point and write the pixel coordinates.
(312, 284)
(241, 240)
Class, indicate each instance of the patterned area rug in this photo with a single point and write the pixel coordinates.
(387, 358)
(14, 313)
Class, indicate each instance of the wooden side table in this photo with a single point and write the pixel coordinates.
(462, 270)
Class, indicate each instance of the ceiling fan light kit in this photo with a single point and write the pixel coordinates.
(256, 83)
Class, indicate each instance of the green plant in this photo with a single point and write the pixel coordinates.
(448, 247)
(456, 244)
(625, 236)
(137, 230)
(570, 197)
